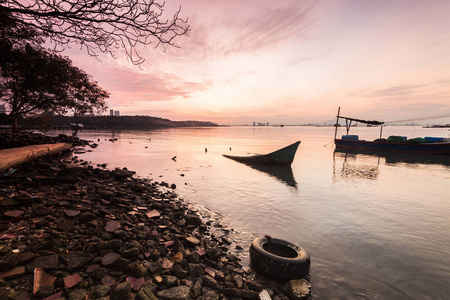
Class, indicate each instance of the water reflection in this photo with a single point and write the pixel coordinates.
(397, 158)
(280, 172)
(351, 169)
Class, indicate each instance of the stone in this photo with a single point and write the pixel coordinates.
(170, 281)
(78, 294)
(121, 291)
(210, 294)
(131, 252)
(175, 293)
(108, 281)
(238, 281)
(111, 226)
(110, 258)
(86, 217)
(13, 273)
(196, 270)
(193, 257)
(145, 294)
(233, 292)
(100, 290)
(13, 213)
(71, 213)
(298, 289)
(42, 283)
(76, 259)
(72, 280)
(192, 241)
(209, 281)
(193, 219)
(136, 283)
(48, 262)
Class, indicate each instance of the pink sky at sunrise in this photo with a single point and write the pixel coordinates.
(289, 62)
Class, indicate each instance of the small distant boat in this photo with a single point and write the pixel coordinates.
(76, 126)
(283, 156)
(352, 143)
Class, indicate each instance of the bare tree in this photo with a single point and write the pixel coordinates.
(100, 25)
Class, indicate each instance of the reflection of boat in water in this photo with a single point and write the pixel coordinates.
(283, 156)
(350, 170)
(422, 146)
(281, 172)
(396, 158)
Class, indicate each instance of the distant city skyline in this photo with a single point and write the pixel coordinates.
(290, 62)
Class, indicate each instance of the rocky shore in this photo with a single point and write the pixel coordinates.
(73, 231)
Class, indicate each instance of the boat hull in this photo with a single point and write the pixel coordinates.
(374, 146)
(284, 156)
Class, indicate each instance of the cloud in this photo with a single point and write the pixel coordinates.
(392, 91)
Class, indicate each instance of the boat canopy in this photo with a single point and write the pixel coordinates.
(362, 121)
(348, 123)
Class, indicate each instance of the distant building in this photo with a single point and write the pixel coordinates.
(254, 123)
(117, 113)
(111, 112)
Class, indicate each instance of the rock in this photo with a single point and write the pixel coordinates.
(72, 280)
(209, 281)
(100, 291)
(76, 259)
(237, 279)
(210, 294)
(42, 283)
(86, 217)
(145, 294)
(121, 291)
(136, 283)
(131, 252)
(193, 257)
(78, 294)
(193, 219)
(233, 292)
(110, 258)
(192, 241)
(298, 289)
(49, 262)
(175, 293)
(13, 273)
(196, 270)
(111, 226)
(170, 281)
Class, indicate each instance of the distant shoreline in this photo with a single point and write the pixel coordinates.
(109, 122)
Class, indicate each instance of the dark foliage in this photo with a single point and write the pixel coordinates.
(99, 26)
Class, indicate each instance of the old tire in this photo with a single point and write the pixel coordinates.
(279, 259)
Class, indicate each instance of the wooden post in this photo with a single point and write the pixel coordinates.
(337, 122)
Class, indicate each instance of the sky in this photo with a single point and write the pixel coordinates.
(289, 62)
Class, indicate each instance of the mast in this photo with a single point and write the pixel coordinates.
(337, 122)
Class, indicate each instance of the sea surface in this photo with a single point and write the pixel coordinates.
(375, 227)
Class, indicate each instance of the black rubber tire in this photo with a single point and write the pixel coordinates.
(279, 259)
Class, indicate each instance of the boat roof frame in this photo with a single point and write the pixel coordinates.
(348, 123)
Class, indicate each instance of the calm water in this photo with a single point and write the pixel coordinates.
(375, 227)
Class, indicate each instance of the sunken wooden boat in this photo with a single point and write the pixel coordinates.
(283, 156)
(398, 144)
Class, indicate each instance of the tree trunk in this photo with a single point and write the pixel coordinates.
(14, 157)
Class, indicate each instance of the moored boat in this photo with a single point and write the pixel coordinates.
(427, 145)
(76, 126)
(283, 156)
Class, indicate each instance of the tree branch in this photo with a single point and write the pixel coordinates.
(101, 26)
